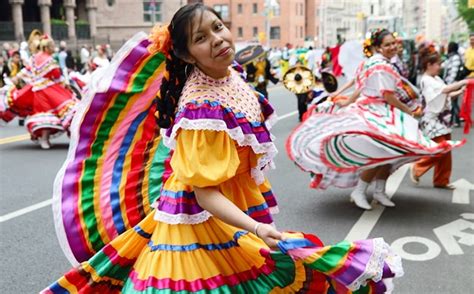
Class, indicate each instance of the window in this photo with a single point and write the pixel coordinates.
(276, 11)
(301, 32)
(274, 33)
(302, 9)
(255, 8)
(110, 2)
(255, 31)
(152, 11)
(223, 11)
(239, 8)
(240, 32)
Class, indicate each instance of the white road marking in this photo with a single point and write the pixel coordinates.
(461, 191)
(25, 210)
(455, 233)
(276, 87)
(368, 220)
(287, 115)
(432, 248)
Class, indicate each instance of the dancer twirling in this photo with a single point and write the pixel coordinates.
(51, 103)
(368, 140)
(201, 237)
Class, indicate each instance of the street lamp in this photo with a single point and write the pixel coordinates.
(153, 11)
(269, 5)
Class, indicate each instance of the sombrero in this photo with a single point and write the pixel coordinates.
(249, 54)
(329, 82)
(299, 79)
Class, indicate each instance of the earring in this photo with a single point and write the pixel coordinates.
(186, 70)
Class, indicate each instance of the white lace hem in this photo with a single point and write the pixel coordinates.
(274, 210)
(382, 253)
(268, 149)
(182, 218)
(271, 120)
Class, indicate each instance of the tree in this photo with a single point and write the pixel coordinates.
(466, 11)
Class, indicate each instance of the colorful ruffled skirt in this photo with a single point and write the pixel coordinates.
(336, 145)
(14, 102)
(51, 108)
(213, 257)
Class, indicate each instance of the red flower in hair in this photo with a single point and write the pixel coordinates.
(367, 46)
(160, 40)
(432, 49)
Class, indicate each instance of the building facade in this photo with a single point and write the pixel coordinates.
(270, 22)
(312, 21)
(340, 20)
(412, 18)
(101, 20)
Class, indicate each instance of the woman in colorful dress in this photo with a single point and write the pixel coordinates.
(368, 140)
(436, 120)
(50, 102)
(210, 231)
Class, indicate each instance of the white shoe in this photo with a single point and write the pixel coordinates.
(44, 144)
(360, 200)
(383, 199)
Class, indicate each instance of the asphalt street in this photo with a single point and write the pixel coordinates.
(432, 229)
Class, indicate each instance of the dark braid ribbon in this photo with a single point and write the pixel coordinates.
(171, 87)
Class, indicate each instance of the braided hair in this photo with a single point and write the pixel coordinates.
(177, 68)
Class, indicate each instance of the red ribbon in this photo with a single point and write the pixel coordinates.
(466, 105)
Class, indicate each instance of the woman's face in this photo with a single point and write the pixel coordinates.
(210, 45)
(388, 48)
(50, 48)
(16, 58)
(400, 48)
(433, 68)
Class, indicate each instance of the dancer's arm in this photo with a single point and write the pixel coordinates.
(454, 86)
(351, 100)
(210, 199)
(392, 100)
(454, 94)
(343, 88)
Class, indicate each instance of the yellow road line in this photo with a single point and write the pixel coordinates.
(14, 139)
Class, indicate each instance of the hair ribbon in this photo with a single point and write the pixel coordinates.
(160, 40)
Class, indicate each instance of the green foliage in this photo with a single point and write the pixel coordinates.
(82, 22)
(56, 21)
(466, 13)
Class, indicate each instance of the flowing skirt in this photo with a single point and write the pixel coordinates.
(213, 257)
(336, 145)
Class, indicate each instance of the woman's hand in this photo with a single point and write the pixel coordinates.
(15, 80)
(343, 102)
(417, 113)
(269, 235)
